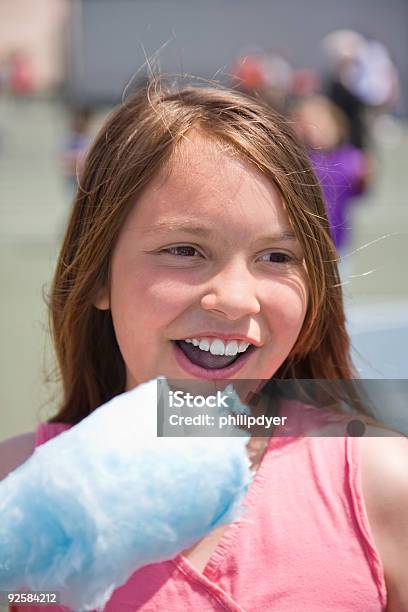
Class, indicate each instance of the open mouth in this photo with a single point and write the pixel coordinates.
(208, 361)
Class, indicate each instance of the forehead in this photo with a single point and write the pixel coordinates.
(207, 180)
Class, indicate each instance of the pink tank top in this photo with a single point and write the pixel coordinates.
(305, 543)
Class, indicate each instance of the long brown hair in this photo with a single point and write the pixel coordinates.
(136, 141)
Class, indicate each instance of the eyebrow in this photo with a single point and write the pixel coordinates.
(206, 232)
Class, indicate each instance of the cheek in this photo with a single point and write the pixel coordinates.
(286, 307)
(146, 301)
(166, 296)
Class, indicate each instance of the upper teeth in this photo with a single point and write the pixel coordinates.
(217, 346)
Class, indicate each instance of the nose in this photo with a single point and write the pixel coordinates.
(232, 293)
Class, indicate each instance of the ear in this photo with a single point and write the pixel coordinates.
(102, 301)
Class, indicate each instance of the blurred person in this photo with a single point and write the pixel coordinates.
(374, 77)
(341, 49)
(343, 169)
(247, 71)
(361, 79)
(267, 75)
(306, 82)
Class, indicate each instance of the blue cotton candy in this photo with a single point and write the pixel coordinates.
(107, 497)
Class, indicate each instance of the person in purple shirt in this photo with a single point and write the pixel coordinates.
(341, 168)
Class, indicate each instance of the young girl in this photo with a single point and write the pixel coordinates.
(199, 218)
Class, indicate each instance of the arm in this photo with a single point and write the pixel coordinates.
(15, 451)
(385, 489)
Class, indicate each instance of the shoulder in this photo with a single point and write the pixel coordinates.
(384, 465)
(15, 451)
(384, 471)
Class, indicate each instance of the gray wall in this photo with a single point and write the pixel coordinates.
(110, 38)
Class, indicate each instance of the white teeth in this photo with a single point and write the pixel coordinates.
(204, 344)
(231, 348)
(242, 346)
(218, 346)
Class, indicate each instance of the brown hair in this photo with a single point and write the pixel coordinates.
(137, 140)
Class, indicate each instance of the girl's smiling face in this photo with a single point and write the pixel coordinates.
(207, 251)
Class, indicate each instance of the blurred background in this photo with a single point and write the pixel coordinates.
(339, 71)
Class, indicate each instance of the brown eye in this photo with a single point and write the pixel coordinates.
(181, 251)
(278, 257)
